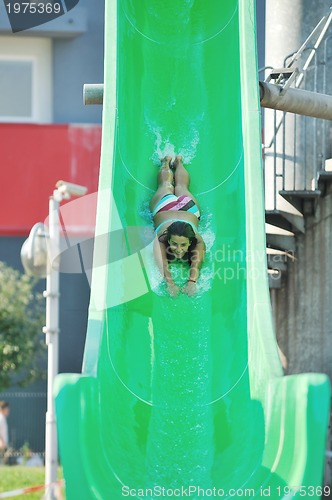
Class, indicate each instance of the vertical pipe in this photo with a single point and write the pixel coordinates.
(294, 152)
(52, 339)
(275, 161)
(273, 297)
(284, 152)
(304, 142)
(324, 92)
(314, 134)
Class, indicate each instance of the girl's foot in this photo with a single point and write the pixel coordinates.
(177, 161)
(166, 162)
(166, 175)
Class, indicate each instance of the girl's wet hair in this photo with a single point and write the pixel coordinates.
(180, 228)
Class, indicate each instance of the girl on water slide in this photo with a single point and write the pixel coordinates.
(176, 215)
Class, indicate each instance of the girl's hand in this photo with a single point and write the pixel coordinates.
(190, 288)
(173, 290)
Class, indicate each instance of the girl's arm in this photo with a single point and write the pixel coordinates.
(196, 259)
(159, 250)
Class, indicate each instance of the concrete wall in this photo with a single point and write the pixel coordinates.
(303, 304)
(303, 312)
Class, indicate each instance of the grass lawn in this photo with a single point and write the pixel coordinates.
(15, 476)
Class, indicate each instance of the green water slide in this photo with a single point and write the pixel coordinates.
(188, 392)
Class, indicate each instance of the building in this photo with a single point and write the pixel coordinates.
(47, 134)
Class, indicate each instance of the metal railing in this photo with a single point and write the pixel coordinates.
(26, 421)
(296, 147)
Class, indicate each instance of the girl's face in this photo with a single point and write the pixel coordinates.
(178, 245)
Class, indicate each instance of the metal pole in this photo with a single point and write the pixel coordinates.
(314, 180)
(284, 154)
(52, 340)
(302, 102)
(93, 93)
(315, 47)
(275, 163)
(273, 297)
(294, 151)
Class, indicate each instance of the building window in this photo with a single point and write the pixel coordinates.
(25, 80)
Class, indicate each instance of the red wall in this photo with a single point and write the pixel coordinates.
(32, 159)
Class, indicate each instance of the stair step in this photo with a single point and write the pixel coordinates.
(324, 175)
(281, 242)
(300, 199)
(277, 261)
(285, 220)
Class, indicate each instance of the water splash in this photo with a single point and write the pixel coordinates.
(163, 145)
(144, 212)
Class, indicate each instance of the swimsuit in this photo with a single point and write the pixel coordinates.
(178, 203)
(176, 220)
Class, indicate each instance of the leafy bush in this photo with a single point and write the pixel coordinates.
(22, 315)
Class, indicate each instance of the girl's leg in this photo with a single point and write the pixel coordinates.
(165, 182)
(182, 179)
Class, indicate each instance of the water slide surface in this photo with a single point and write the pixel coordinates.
(184, 392)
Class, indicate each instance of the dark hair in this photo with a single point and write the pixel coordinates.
(180, 228)
(4, 405)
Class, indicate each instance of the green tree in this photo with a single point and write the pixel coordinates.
(22, 315)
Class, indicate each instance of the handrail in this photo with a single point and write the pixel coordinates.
(298, 155)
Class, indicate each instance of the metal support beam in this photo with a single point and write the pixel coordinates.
(93, 93)
(301, 102)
